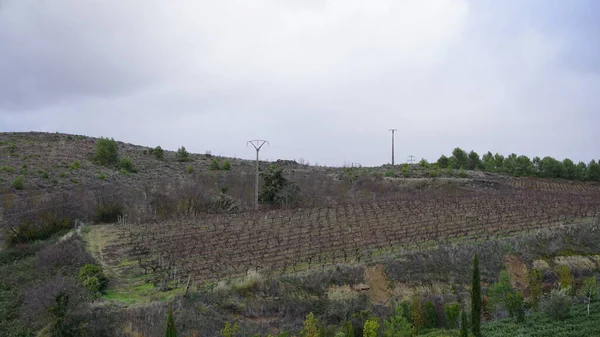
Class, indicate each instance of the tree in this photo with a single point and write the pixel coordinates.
(551, 168)
(488, 162)
(565, 278)
(509, 163)
(170, 330)
(107, 152)
(514, 304)
(443, 162)
(498, 162)
(417, 313)
(474, 161)
(498, 291)
(570, 169)
(310, 327)
(580, 171)
(158, 153)
(226, 165)
(558, 305)
(590, 290)
(461, 159)
(276, 188)
(182, 155)
(534, 282)
(593, 171)
(430, 315)
(523, 166)
(464, 325)
(452, 311)
(214, 165)
(371, 328)
(397, 325)
(476, 299)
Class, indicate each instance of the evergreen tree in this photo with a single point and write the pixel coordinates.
(476, 299)
(170, 331)
(464, 325)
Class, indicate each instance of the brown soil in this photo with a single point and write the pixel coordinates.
(378, 284)
(517, 271)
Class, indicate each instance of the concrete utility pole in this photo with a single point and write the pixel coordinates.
(411, 159)
(257, 145)
(393, 130)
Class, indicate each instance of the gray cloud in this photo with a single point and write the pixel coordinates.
(322, 80)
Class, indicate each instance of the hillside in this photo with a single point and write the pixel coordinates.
(354, 244)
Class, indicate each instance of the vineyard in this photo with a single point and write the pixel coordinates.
(290, 241)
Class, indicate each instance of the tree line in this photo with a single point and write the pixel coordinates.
(521, 166)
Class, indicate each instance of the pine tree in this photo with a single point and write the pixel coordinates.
(476, 299)
(464, 326)
(170, 331)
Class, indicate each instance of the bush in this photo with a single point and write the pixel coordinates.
(534, 281)
(565, 278)
(92, 278)
(214, 165)
(102, 176)
(230, 330)
(452, 311)
(108, 211)
(127, 165)
(310, 327)
(158, 153)
(190, 169)
(107, 152)
(515, 306)
(557, 305)
(398, 325)
(430, 315)
(389, 173)
(371, 328)
(226, 165)
(18, 183)
(182, 155)
(76, 165)
(28, 232)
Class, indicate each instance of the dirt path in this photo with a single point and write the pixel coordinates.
(378, 284)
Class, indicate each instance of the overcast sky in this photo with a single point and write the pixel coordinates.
(321, 80)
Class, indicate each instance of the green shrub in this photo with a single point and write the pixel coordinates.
(28, 232)
(430, 315)
(515, 306)
(74, 181)
(127, 165)
(405, 172)
(107, 152)
(18, 183)
(182, 155)
(76, 165)
(310, 327)
(230, 330)
(558, 305)
(424, 163)
(62, 174)
(389, 173)
(214, 165)
(23, 172)
(108, 211)
(534, 282)
(226, 165)
(92, 277)
(498, 291)
(371, 328)
(45, 175)
(7, 169)
(170, 329)
(190, 169)
(565, 278)
(462, 173)
(102, 176)
(452, 311)
(158, 153)
(397, 325)
(12, 148)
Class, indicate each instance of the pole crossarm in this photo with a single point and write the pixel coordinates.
(257, 144)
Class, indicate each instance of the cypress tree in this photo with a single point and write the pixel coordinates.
(464, 326)
(170, 331)
(476, 299)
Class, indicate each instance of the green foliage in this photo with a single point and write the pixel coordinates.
(127, 165)
(558, 305)
(389, 173)
(397, 325)
(430, 315)
(182, 155)
(158, 153)
(418, 320)
(464, 325)
(28, 232)
(226, 165)
(589, 287)
(107, 152)
(462, 174)
(443, 162)
(214, 165)
(190, 169)
(371, 328)
(18, 183)
(7, 169)
(60, 313)
(498, 291)
(452, 311)
(230, 330)
(534, 282)
(515, 305)
(459, 159)
(424, 163)
(75, 165)
(170, 329)
(310, 327)
(565, 278)
(405, 171)
(476, 299)
(45, 175)
(474, 160)
(12, 148)
(276, 189)
(109, 211)
(102, 176)
(92, 277)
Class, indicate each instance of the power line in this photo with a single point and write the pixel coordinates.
(257, 144)
(393, 131)
(411, 159)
